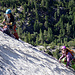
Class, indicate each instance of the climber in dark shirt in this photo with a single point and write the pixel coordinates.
(10, 23)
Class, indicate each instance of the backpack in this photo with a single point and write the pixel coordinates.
(71, 51)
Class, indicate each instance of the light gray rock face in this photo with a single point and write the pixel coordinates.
(20, 58)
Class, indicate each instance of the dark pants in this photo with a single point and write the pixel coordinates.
(5, 31)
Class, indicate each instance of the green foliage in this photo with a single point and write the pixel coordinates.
(36, 26)
(50, 35)
(41, 38)
(73, 65)
(37, 40)
(45, 45)
(56, 54)
(52, 47)
(54, 21)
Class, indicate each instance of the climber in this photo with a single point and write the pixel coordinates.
(10, 24)
(66, 53)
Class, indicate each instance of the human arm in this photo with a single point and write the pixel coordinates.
(63, 55)
(3, 21)
(9, 23)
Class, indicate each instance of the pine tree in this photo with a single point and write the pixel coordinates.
(46, 24)
(42, 2)
(63, 32)
(26, 39)
(37, 15)
(56, 41)
(41, 36)
(64, 40)
(19, 31)
(32, 42)
(68, 29)
(37, 40)
(32, 3)
(29, 37)
(50, 35)
(35, 4)
(47, 4)
(74, 18)
(28, 10)
(58, 11)
(55, 15)
(25, 7)
(16, 8)
(57, 53)
(45, 35)
(28, 3)
(35, 26)
(73, 31)
(45, 45)
(46, 17)
(25, 10)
